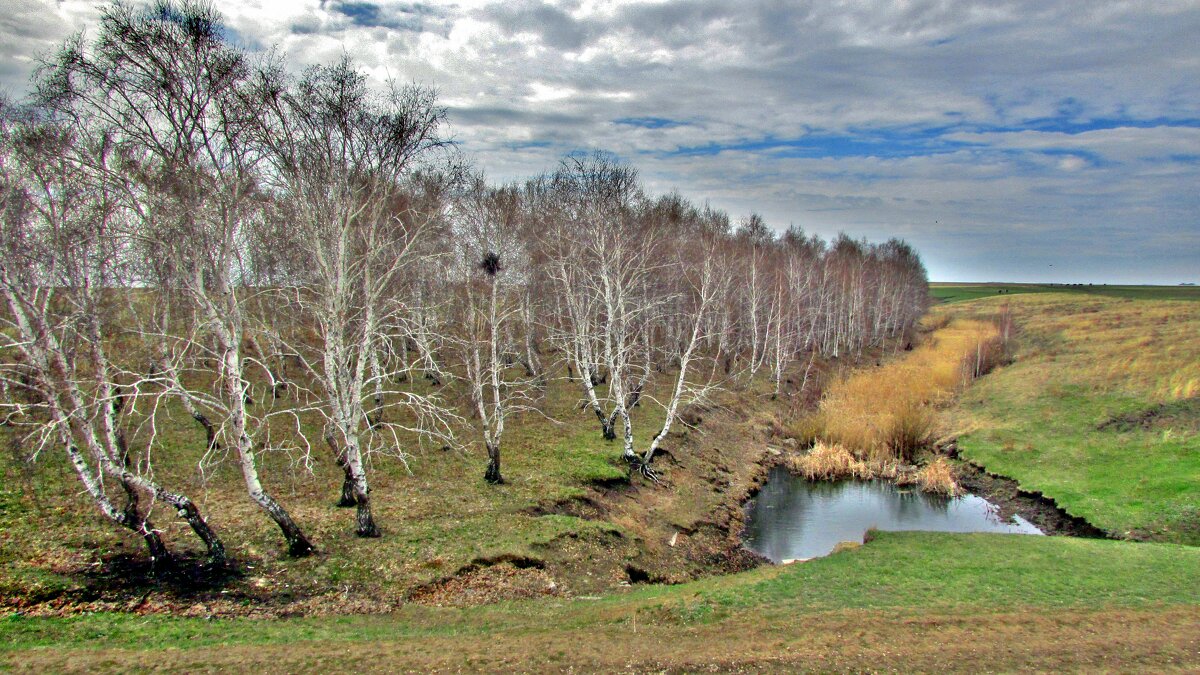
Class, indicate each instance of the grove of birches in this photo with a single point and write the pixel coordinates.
(192, 228)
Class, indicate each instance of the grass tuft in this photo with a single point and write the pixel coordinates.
(938, 477)
(828, 462)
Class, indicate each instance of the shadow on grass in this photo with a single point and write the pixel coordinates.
(183, 576)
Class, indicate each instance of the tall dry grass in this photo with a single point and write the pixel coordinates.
(938, 477)
(887, 413)
(1148, 348)
(829, 461)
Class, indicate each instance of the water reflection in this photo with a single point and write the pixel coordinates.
(796, 519)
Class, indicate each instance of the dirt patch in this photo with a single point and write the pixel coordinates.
(481, 585)
(587, 507)
(187, 585)
(1012, 499)
(1182, 415)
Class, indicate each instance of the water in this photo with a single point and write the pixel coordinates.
(796, 519)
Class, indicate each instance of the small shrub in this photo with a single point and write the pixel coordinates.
(911, 430)
(938, 477)
(843, 546)
(805, 430)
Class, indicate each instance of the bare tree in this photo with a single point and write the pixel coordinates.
(598, 261)
(492, 274)
(702, 273)
(63, 269)
(339, 155)
(173, 92)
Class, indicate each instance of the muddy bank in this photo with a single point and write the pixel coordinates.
(1011, 498)
(690, 526)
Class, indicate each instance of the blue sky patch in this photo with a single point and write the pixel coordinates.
(649, 122)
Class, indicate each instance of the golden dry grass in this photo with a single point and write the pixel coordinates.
(938, 477)
(828, 462)
(1147, 348)
(887, 413)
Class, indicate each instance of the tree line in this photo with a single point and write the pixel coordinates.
(191, 226)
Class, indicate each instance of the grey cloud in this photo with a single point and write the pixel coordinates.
(555, 27)
(969, 76)
(415, 17)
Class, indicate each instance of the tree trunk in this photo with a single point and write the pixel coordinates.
(347, 499)
(210, 432)
(188, 511)
(492, 475)
(364, 519)
(159, 555)
(607, 424)
(298, 544)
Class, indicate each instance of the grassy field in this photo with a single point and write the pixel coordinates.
(1098, 411)
(906, 601)
(438, 515)
(959, 292)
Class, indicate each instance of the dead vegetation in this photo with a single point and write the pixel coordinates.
(834, 462)
(875, 423)
(888, 413)
(938, 477)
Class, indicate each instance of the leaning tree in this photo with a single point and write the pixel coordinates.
(173, 93)
(65, 276)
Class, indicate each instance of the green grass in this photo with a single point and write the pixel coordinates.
(896, 571)
(960, 292)
(1080, 363)
(437, 515)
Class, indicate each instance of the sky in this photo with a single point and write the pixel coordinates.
(1027, 140)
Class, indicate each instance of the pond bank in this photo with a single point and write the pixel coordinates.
(1008, 494)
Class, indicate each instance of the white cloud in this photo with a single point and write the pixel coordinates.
(1026, 127)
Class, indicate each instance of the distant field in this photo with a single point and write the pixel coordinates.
(958, 292)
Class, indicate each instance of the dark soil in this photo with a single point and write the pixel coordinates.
(1183, 415)
(126, 582)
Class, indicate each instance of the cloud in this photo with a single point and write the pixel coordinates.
(998, 136)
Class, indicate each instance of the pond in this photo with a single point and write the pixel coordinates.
(796, 519)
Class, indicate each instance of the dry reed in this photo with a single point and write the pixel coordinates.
(828, 462)
(886, 414)
(834, 462)
(938, 477)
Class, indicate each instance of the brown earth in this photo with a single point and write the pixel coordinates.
(1155, 639)
(1181, 415)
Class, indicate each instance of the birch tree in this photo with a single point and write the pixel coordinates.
(339, 155)
(173, 92)
(597, 261)
(492, 272)
(701, 270)
(63, 268)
